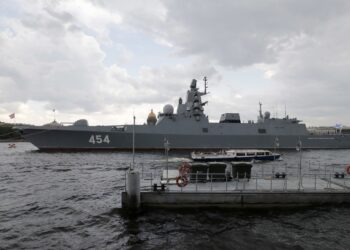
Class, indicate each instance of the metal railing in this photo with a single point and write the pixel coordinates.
(218, 182)
(315, 177)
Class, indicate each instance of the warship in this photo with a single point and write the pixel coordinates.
(187, 129)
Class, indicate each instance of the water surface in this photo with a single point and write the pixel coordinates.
(72, 201)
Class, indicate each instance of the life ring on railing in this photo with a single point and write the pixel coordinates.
(348, 169)
(184, 168)
(181, 181)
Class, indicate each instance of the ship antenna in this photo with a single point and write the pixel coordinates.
(285, 110)
(260, 111)
(54, 114)
(205, 79)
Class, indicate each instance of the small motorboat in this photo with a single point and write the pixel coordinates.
(236, 155)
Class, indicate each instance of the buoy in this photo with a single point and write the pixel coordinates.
(348, 169)
(12, 145)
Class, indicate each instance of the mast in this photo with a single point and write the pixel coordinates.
(285, 110)
(260, 111)
(205, 79)
(54, 114)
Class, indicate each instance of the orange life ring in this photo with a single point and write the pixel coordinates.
(181, 181)
(348, 169)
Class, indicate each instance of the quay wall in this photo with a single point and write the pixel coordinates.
(240, 199)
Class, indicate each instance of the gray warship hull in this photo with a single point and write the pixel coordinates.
(187, 129)
(70, 140)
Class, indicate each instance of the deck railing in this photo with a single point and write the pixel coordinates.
(218, 182)
(322, 178)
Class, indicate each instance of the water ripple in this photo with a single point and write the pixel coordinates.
(72, 201)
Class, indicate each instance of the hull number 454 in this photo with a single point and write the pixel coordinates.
(98, 139)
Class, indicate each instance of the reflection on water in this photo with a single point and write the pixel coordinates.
(72, 201)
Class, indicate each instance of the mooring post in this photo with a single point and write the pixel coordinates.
(133, 190)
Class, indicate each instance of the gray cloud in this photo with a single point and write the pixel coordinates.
(53, 53)
(303, 44)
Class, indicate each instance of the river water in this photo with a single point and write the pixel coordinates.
(72, 201)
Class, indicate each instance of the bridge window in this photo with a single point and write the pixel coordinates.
(262, 131)
(205, 130)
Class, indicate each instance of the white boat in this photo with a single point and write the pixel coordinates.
(236, 155)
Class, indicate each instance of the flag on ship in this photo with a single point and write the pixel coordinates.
(12, 116)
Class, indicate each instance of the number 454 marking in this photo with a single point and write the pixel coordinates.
(99, 139)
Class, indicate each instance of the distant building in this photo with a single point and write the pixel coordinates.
(329, 130)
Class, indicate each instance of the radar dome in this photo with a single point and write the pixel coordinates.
(168, 109)
(267, 115)
(151, 119)
(81, 123)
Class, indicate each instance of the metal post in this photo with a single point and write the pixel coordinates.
(286, 178)
(133, 145)
(142, 170)
(166, 148)
(256, 183)
(133, 190)
(285, 183)
(237, 181)
(315, 181)
(271, 183)
(300, 148)
(125, 178)
(196, 181)
(211, 183)
(167, 165)
(226, 183)
(244, 181)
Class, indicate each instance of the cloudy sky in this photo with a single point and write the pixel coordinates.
(105, 60)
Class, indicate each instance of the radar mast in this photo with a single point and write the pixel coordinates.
(205, 79)
(260, 111)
